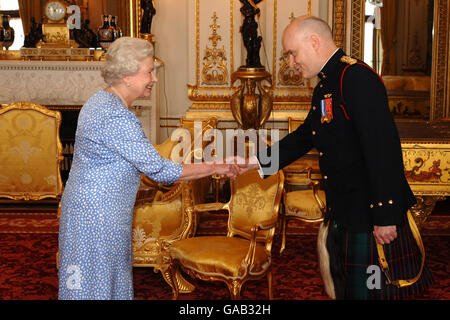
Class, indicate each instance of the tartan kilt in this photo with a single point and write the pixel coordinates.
(352, 253)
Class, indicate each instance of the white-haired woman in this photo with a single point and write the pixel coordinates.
(111, 152)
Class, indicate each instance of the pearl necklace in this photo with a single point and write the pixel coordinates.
(119, 95)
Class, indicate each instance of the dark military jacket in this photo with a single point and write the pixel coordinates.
(360, 152)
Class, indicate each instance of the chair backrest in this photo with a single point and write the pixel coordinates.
(165, 148)
(30, 152)
(310, 160)
(163, 218)
(293, 124)
(206, 124)
(254, 200)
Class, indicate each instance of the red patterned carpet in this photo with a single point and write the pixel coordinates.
(28, 244)
(28, 272)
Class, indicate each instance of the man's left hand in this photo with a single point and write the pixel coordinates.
(385, 234)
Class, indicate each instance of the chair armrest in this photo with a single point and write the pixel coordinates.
(264, 225)
(267, 224)
(215, 206)
(315, 187)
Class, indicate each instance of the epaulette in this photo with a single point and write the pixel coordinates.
(349, 60)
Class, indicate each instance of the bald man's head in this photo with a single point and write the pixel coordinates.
(305, 26)
(308, 41)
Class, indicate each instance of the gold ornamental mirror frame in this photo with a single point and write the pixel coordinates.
(440, 74)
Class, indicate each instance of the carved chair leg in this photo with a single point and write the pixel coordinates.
(172, 271)
(183, 285)
(269, 284)
(235, 289)
(283, 234)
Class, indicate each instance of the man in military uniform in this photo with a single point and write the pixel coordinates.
(361, 163)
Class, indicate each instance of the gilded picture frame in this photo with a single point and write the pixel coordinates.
(440, 75)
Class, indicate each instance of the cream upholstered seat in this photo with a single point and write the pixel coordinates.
(162, 213)
(308, 203)
(30, 152)
(245, 252)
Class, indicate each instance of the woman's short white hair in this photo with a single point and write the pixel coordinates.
(124, 57)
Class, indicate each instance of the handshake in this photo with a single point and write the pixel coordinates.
(231, 167)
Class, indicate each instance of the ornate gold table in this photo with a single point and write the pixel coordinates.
(426, 156)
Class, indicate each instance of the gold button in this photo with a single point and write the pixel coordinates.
(314, 108)
(391, 201)
(371, 206)
(380, 204)
(321, 154)
(321, 85)
(325, 177)
(313, 133)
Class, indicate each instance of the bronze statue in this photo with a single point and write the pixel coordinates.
(35, 34)
(148, 11)
(85, 37)
(249, 30)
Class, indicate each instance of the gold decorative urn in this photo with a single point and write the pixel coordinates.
(251, 102)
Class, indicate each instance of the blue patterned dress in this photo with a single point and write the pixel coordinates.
(111, 152)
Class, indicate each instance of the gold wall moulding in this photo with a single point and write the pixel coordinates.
(358, 19)
(339, 16)
(288, 76)
(215, 71)
(225, 116)
(219, 99)
(219, 95)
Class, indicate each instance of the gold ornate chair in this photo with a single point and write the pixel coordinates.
(245, 252)
(30, 152)
(162, 213)
(307, 202)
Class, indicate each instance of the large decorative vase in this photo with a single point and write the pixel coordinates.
(8, 32)
(105, 33)
(251, 102)
(117, 30)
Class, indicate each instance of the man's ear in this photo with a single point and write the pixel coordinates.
(315, 42)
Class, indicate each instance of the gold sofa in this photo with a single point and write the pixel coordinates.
(245, 252)
(30, 152)
(308, 202)
(163, 213)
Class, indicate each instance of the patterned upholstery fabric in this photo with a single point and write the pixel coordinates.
(30, 152)
(220, 256)
(302, 204)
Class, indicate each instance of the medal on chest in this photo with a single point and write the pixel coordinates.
(326, 106)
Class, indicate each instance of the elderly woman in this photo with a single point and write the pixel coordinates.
(111, 152)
